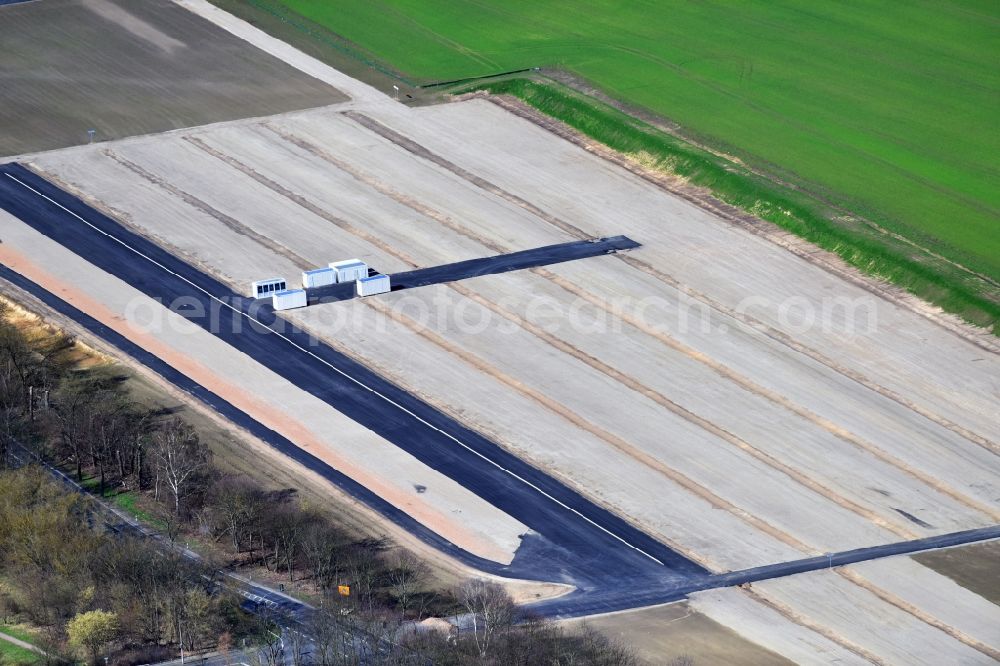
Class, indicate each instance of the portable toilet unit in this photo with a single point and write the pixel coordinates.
(265, 288)
(319, 277)
(369, 286)
(350, 270)
(288, 299)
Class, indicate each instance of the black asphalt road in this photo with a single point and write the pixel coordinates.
(570, 540)
(471, 268)
(606, 601)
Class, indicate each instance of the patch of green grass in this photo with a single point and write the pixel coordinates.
(15, 654)
(882, 109)
(127, 501)
(18, 632)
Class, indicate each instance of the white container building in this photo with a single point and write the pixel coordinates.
(320, 277)
(350, 270)
(266, 288)
(369, 286)
(288, 299)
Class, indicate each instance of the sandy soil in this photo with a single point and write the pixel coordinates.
(975, 567)
(664, 633)
(125, 68)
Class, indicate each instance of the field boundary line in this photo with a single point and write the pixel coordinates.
(384, 189)
(767, 230)
(826, 632)
(300, 200)
(814, 354)
(415, 148)
(752, 387)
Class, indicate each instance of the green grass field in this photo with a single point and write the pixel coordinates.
(886, 109)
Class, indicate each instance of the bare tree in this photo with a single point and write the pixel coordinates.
(407, 578)
(491, 611)
(74, 401)
(238, 506)
(179, 459)
(287, 525)
(297, 645)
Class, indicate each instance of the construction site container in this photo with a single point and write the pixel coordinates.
(288, 299)
(369, 286)
(320, 277)
(265, 288)
(350, 270)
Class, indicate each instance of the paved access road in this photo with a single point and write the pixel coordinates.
(472, 268)
(571, 540)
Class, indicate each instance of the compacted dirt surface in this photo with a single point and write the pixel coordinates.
(719, 388)
(126, 67)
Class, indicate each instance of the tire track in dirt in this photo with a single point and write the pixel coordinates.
(420, 151)
(819, 357)
(776, 398)
(926, 618)
(384, 189)
(719, 368)
(300, 200)
(789, 614)
(412, 146)
(229, 222)
(698, 421)
(580, 422)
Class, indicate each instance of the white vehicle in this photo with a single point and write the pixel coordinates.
(369, 286)
(320, 277)
(288, 299)
(265, 288)
(350, 270)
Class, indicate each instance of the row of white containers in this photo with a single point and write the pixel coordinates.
(349, 270)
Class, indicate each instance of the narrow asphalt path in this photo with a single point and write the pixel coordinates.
(473, 268)
(571, 540)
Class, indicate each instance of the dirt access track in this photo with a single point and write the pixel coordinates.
(123, 68)
(743, 403)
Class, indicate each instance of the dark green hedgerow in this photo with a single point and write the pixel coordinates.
(737, 186)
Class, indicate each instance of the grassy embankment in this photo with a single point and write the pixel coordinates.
(860, 113)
